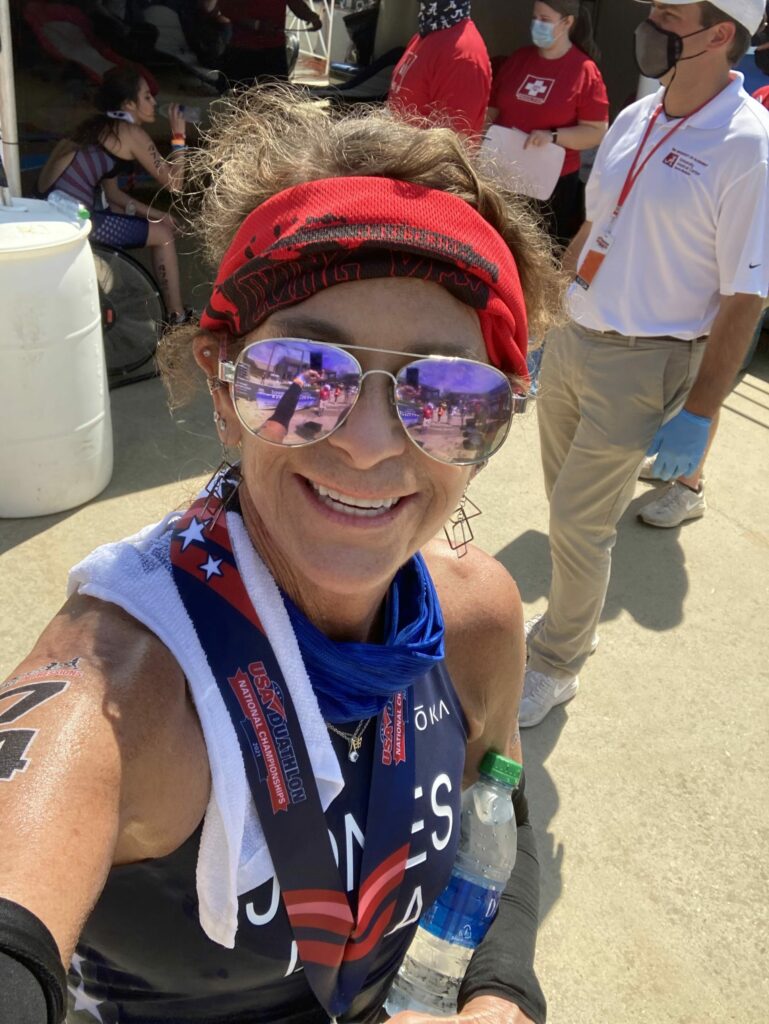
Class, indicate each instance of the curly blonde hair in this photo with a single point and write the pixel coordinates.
(263, 141)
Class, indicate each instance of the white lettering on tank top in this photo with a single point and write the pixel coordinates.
(292, 960)
(413, 912)
(434, 713)
(441, 811)
(268, 915)
(420, 846)
(351, 830)
(414, 909)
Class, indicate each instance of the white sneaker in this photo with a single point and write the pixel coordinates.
(675, 506)
(541, 693)
(646, 472)
(533, 626)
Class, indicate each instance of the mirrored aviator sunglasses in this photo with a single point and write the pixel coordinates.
(292, 391)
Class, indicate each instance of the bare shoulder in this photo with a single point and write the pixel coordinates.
(116, 657)
(478, 595)
(133, 140)
(125, 696)
(485, 647)
(97, 739)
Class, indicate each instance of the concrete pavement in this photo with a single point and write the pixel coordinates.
(649, 790)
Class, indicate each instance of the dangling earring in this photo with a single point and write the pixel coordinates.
(222, 488)
(224, 484)
(461, 531)
(226, 479)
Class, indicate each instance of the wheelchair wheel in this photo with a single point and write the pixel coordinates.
(133, 313)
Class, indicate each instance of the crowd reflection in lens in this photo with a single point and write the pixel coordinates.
(294, 392)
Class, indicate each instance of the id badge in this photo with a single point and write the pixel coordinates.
(593, 260)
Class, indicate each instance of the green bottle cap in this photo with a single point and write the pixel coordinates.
(501, 768)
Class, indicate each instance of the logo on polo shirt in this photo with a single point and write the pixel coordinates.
(685, 163)
(535, 89)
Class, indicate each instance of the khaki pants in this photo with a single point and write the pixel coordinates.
(601, 400)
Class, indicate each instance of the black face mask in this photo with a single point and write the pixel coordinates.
(657, 50)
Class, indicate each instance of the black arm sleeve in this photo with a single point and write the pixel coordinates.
(286, 407)
(32, 978)
(22, 1001)
(503, 964)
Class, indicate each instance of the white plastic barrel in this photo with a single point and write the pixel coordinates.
(55, 426)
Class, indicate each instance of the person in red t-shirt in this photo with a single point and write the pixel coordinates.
(445, 70)
(554, 92)
(258, 46)
(762, 95)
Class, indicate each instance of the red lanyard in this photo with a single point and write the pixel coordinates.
(633, 174)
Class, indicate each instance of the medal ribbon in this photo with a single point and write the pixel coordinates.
(336, 948)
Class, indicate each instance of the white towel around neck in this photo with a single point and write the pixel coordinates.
(135, 574)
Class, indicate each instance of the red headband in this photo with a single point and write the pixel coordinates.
(328, 232)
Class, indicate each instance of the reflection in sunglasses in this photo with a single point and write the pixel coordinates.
(295, 392)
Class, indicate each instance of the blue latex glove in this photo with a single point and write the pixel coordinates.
(679, 445)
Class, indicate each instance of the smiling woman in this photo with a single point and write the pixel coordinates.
(259, 805)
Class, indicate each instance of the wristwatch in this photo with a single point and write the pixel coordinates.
(554, 135)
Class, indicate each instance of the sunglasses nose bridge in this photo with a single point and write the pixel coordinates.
(391, 391)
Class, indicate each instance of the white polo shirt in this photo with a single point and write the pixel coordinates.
(694, 227)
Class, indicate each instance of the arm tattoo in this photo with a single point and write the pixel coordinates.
(156, 158)
(37, 687)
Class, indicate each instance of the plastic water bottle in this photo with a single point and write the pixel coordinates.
(68, 205)
(193, 115)
(435, 964)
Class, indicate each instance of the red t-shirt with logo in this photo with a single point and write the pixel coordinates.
(532, 92)
(762, 95)
(446, 72)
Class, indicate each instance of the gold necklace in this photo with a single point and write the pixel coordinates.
(354, 739)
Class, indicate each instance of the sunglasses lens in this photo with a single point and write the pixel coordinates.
(293, 391)
(456, 410)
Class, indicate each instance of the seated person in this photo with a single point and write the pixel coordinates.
(110, 144)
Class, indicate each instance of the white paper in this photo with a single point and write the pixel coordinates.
(532, 172)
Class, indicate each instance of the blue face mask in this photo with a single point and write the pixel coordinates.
(542, 34)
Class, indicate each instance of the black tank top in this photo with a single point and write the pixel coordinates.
(144, 958)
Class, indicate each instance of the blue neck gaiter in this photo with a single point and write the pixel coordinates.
(355, 680)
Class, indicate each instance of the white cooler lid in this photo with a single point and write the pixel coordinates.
(34, 224)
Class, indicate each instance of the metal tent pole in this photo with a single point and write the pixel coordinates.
(8, 126)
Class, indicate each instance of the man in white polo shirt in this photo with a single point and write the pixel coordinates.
(675, 252)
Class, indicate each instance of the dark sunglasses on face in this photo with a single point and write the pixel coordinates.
(294, 391)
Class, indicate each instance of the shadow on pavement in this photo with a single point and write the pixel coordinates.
(648, 576)
(538, 744)
(527, 559)
(749, 398)
(648, 579)
(759, 367)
